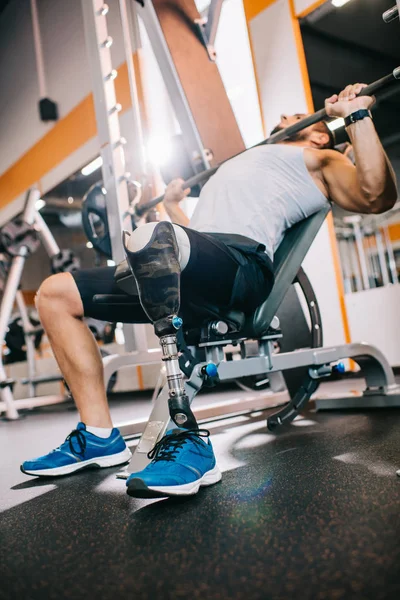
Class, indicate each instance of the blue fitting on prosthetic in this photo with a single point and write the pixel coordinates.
(177, 322)
(339, 368)
(211, 370)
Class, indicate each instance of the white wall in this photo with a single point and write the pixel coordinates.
(66, 67)
(19, 122)
(375, 318)
(277, 65)
(236, 67)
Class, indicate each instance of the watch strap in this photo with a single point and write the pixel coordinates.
(358, 115)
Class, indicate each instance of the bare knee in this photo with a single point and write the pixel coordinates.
(59, 294)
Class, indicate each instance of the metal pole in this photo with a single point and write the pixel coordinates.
(46, 237)
(114, 174)
(137, 138)
(355, 265)
(361, 254)
(29, 342)
(390, 253)
(213, 16)
(382, 258)
(346, 268)
(370, 258)
(37, 42)
(98, 44)
(191, 135)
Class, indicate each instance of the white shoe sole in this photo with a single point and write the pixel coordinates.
(113, 460)
(138, 489)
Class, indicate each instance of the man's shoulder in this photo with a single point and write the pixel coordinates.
(332, 158)
(317, 159)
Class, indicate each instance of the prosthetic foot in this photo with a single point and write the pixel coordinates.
(157, 272)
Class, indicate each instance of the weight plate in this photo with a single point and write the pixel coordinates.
(16, 235)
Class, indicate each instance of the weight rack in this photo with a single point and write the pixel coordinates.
(34, 220)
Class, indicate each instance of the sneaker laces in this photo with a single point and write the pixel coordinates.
(78, 436)
(167, 448)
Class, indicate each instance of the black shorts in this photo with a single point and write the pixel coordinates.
(228, 271)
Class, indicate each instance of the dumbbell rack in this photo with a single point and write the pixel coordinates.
(12, 295)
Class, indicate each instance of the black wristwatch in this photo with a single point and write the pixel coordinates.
(358, 115)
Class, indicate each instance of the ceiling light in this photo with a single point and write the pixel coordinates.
(339, 3)
(92, 166)
(336, 124)
(39, 204)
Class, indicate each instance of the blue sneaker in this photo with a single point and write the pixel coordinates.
(182, 463)
(80, 450)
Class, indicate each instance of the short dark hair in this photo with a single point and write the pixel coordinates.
(322, 127)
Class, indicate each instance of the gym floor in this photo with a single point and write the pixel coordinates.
(310, 513)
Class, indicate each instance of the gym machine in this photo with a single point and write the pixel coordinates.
(319, 363)
(173, 343)
(115, 176)
(366, 252)
(199, 347)
(19, 239)
(214, 331)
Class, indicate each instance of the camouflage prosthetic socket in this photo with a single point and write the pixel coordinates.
(157, 272)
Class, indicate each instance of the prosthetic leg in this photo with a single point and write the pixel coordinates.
(157, 273)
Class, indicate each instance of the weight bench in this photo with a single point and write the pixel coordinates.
(204, 363)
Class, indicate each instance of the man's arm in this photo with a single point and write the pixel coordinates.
(370, 186)
(174, 194)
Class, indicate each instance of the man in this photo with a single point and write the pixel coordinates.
(225, 257)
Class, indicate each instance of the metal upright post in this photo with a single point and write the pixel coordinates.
(29, 343)
(391, 257)
(98, 44)
(208, 27)
(115, 177)
(129, 31)
(346, 267)
(191, 135)
(46, 237)
(355, 265)
(370, 257)
(361, 253)
(382, 258)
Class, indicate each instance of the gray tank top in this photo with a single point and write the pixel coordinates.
(259, 194)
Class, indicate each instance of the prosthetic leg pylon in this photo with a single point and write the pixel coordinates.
(157, 273)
